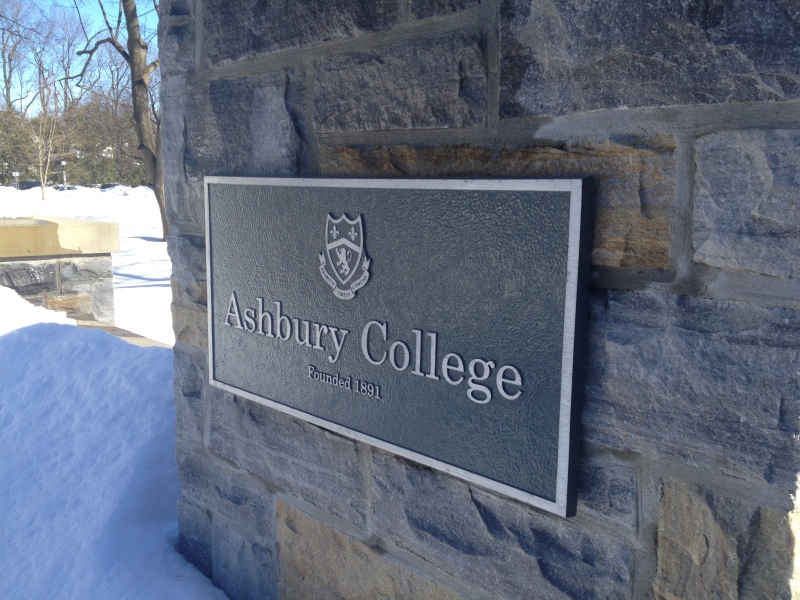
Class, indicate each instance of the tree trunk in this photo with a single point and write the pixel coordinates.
(149, 146)
(44, 142)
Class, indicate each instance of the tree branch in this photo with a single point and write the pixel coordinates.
(23, 97)
(105, 18)
(80, 19)
(5, 17)
(129, 155)
(119, 21)
(33, 99)
(154, 113)
(152, 67)
(90, 52)
(109, 40)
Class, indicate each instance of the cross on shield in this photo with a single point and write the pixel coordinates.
(344, 243)
(344, 260)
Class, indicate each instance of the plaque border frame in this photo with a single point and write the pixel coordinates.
(575, 317)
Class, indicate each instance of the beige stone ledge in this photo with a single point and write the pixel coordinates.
(32, 237)
(123, 334)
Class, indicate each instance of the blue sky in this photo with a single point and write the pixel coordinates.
(90, 10)
(95, 26)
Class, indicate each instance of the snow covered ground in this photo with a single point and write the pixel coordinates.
(142, 292)
(88, 481)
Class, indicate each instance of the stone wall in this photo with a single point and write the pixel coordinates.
(687, 114)
(61, 264)
(82, 287)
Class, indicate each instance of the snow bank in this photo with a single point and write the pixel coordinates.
(88, 481)
(16, 312)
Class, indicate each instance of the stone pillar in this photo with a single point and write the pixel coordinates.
(687, 116)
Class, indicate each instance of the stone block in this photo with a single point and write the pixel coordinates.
(769, 569)
(188, 253)
(190, 391)
(301, 459)
(86, 300)
(422, 9)
(609, 490)
(187, 291)
(318, 562)
(103, 301)
(413, 85)
(635, 186)
(709, 383)
(189, 204)
(190, 324)
(244, 569)
(76, 287)
(194, 535)
(559, 57)
(176, 37)
(695, 557)
(183, 188)
(747, 207)
(494, 545)
(28, 278)
(244, 127)
(712, 546)
(76, 306)
(93, 268)
(188, 256)
(255, 27)
(227, 491)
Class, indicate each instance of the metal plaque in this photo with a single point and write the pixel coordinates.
(440, 320)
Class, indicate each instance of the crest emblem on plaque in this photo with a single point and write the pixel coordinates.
(344, 264)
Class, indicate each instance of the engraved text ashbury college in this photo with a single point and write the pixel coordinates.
(420, 357)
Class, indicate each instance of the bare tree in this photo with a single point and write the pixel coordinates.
(15, 90)
(52, 44)
(104, 118)
(15, 148)
(43, 128)
(145, 121)
(114, 95)
(66, 42)
(15, 31)
(105, 141)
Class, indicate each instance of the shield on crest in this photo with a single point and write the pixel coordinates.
(344, 246)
